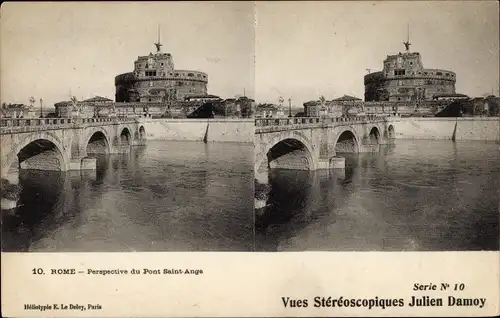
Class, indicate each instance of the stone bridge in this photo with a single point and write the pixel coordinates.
(65, 143)
(312, 143)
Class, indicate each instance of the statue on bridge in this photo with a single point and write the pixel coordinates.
(76, 111)
(32, 102)
(73, 103)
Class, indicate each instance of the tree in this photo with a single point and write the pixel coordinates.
(249, 112)
(455, 109)
(246, 105)
(493, 106)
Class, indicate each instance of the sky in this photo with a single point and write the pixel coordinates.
(52, 50)
(307, 49)
(298, 50)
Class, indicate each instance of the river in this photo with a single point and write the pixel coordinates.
(165, 196)
(414, 195)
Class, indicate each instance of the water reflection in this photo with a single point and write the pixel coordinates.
(166, 196)
(415, 195)
(51, 195)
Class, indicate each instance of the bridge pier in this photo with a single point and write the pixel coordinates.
(323, 163)
(336, 162)
(88, 164)
(120, 149)
(367, 148)
(139, 142)
(82, 164)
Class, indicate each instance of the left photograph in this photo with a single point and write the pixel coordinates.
(127, 127)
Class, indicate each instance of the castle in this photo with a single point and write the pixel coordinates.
(404, 78)
(404, 87)
(155, 80)
(154, 89)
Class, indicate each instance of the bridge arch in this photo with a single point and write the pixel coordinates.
(98, 142)
(391, 132)
(347, 141)
(286, 150)
(125, 136)
(374, 136)
(142, 132)
(46, 147)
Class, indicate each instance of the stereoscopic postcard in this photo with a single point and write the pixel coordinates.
(257, 159)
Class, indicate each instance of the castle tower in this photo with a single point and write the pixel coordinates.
(155, 80)
(405, 79)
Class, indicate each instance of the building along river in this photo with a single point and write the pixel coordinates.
(166, 196)
(415, 195)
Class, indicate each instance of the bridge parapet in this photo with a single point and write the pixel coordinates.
(276, 124)
(65, 143)
(260, 122)
(19, 125)
(316, 142)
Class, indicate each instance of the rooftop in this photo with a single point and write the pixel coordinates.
(450, 95)
(98, 99)
(346, 98)
(202, 96)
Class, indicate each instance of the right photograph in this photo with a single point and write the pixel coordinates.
(377, 126)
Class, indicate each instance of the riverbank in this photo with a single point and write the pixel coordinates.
(462, 128)
(213, 130)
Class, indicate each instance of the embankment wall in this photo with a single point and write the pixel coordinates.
(467, 128)
(219, 130)
(242, 130)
